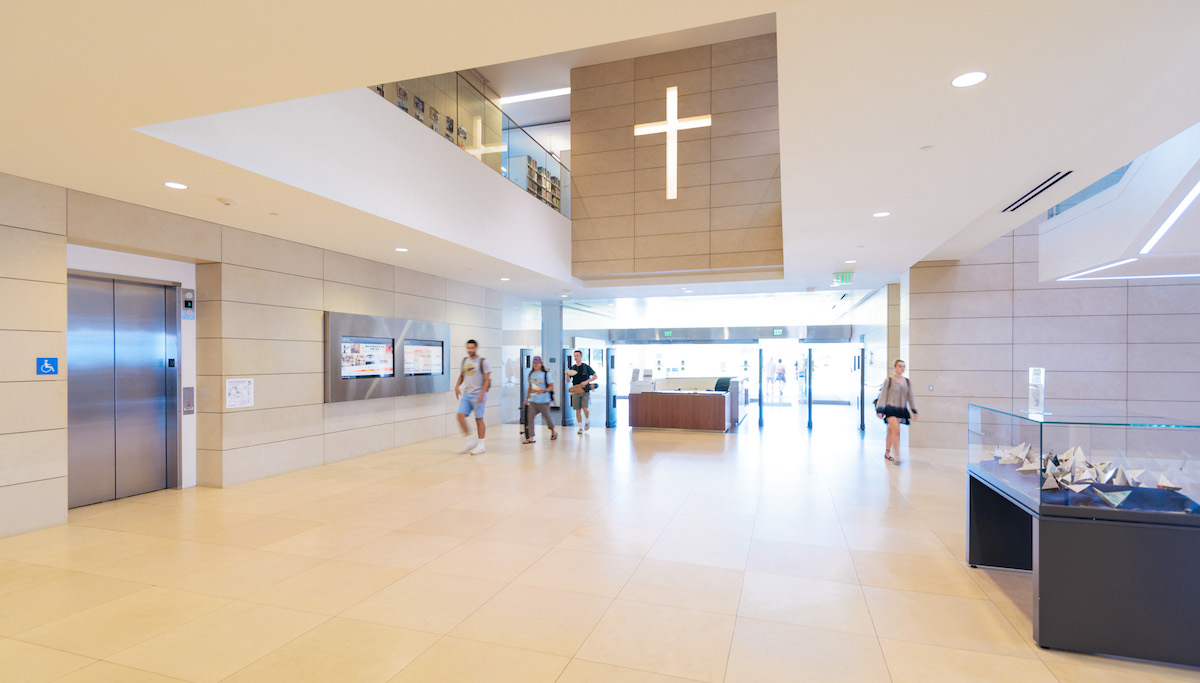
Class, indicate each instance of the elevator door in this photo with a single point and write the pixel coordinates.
(121, 350)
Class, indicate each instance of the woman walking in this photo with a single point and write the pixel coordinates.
(892, 406)
(537, 399)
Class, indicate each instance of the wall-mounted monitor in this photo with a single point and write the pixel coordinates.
(368, 357)
(422, 357)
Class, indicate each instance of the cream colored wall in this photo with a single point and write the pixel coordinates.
(727, 216)
(978, 324)
(259, 315)
(33, 323)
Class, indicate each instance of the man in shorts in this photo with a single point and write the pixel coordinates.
(581, 374)
(475, 378)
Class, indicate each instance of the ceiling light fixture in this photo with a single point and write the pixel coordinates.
(174, 185)
(851, 261)
(1162, 229)
(1097, 269)
(504, 279)
(881, 214)
(540, 95)
(969, 79)
(401, 249)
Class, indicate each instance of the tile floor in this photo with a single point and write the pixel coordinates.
(615, 556)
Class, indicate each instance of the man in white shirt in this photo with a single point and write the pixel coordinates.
(475, 378)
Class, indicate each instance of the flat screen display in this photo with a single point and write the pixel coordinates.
(422, 357)
(368, 357)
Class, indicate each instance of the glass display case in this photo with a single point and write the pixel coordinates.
(1084, 457)
(1100, 507)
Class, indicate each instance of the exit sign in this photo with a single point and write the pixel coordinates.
(666, 333)
(843, 278)
(777, 332)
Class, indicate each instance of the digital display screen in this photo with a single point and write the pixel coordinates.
(422, 357)
(368, 357)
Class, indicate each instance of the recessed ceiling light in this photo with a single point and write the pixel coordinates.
(174, 185)
(401, 249)
(540, 95)
(564, 296)
(504, 279)
(851, 261)
(881, 214)
(969, 79)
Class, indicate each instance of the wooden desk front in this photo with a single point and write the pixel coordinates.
(680, 410)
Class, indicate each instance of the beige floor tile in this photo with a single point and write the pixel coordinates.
(764, 652)
(391, 515)
(725, 551)
(562, 508)
(791, 530)
(891, 518)
(328, 588)
(43, 603)
(29, 663)
(168, 562)
(122, 623)
(805, 602)
(82, 549)
(666, 640)
(242, 575)
(265, 504)
(690, 586)
(339, 650)
(1086, 669)
(583, 671)
(107, 672)
(402, 550)
(16, 576)
(219, 643)
(915, 663)
(456, 659)
(327, 510)
(425, 602)
(921, 542)
(944, 620)
(614, 539)
(533, 618)
(328, 541)
(914, 573)
(488, 560)
(530, 530)
(581, 572)
(258, 532)
(496, 501)
(797, 559)
(461, 523)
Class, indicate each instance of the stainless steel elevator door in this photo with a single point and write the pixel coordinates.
(91, 399)
(119, 338)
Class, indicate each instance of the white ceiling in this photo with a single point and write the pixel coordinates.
(1083, 85)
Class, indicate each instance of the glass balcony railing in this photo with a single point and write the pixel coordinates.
(453, 108)
(1089, 191)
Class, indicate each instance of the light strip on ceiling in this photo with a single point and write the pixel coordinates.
(512, 99)
(1137, 277)
(1096, 270)
(1162, 229)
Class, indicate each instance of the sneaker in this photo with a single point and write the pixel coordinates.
(579, 431)
(587, 425)
(478, 450)
(467, 447)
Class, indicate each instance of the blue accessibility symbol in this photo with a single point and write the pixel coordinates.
(47, 366)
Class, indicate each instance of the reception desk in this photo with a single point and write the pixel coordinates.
(700, 410)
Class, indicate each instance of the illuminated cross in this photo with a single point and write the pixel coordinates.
(671, 127)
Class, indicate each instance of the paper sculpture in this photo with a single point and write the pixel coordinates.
(1113, 498)
(1164, 483)
(1078, 488)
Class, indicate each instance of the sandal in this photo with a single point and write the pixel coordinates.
(553, 436)
(528, 441)
(888, 455)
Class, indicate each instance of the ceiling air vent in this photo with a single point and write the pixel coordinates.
(1037, 190)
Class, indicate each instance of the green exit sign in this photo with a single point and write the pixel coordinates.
(666, 333)
(843, 278)
(777, 332)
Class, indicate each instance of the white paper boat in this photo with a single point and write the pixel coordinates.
(1078, 488)
(1118, 477)
(1164, 483)
(1029, 467)
(1050, 484)
(1113, 498)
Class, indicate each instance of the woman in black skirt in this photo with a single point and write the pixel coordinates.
(892, 406)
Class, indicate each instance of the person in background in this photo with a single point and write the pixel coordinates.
(781, 376)
(475, 378)
(537, 399)
(581, 374)
(892, 406)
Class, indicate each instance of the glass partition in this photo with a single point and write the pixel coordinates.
(454, 109)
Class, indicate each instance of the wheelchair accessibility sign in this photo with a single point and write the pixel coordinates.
(47, 366)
